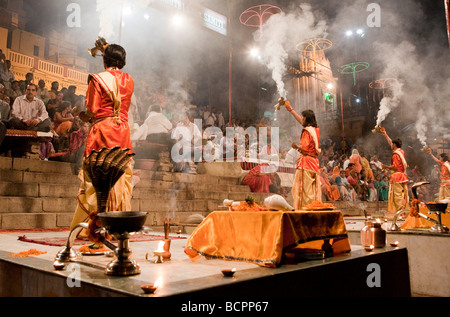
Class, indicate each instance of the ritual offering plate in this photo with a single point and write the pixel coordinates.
(91, 249)
(317, 205)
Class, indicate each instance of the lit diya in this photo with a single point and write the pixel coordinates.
(228, 272)
(369, 248)
(150, 288)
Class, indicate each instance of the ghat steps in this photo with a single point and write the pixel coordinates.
(42, 194)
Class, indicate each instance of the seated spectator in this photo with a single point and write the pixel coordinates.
(260, 178)
(292, 156)
(331, 191)
(156, 127)
(346, 190)
(384, 188)
(4, 106)
(7, 76)
(353, 180)
(2, 133)
(375, 165)
(54, 104)
(70, 95)
(188, 146)
(14, 91)
(46, 149)
(53, 90)
(29, 77)
(42, 92)
(268, 151)
(29, 113)
(22, 87)
(63, 119)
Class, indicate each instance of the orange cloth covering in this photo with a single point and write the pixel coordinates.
(419, 222)
(261, 237)
(109, 132)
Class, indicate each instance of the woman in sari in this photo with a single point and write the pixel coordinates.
(63, 119)
(331, 191)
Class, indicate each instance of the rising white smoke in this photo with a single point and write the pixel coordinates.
(108, 11)
(421, 127)
(281, 33)
(389, 103)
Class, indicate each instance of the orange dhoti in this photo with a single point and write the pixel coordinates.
(306, 188)
(444, 189)
(398, 193)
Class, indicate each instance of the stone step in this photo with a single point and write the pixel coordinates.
(38, 190)
(31, 165)
(58, 220)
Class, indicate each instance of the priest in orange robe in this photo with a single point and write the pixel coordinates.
(444, 189)
(307, 188)
(398, 184)
(108, 100)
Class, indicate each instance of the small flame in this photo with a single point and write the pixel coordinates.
(233, 270)
(160, 246)
(157, 283)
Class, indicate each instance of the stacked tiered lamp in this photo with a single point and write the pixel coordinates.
(104, 168)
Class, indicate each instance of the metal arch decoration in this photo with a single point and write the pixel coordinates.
(353, 68)
(312, 45)
(382, 83)
(256, 16)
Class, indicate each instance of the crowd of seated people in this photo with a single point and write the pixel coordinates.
(27, 106)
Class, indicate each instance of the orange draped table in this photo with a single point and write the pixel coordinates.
(261, 237)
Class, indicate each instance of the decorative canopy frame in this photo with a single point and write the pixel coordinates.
(353, 68)
(313, 45)
(256, 16)
(384, 83)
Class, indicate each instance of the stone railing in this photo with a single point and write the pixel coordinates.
(22, 64)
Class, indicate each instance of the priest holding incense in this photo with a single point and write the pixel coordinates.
(444, 189)
(307, 186)
(108, 100)
(398, 185)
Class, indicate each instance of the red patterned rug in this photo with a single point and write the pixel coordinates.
(62, 241)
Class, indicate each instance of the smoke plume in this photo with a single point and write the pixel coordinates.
(281, 33)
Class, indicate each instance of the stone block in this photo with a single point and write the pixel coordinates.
(50, 178)
(5, 163)
(18, 189)
(55, 204)
(11, 176)
(64, 219)
(41, 166)
(28, 221)
(20, 205)
(57, 190)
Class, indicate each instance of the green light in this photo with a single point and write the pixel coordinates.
(328, 97)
